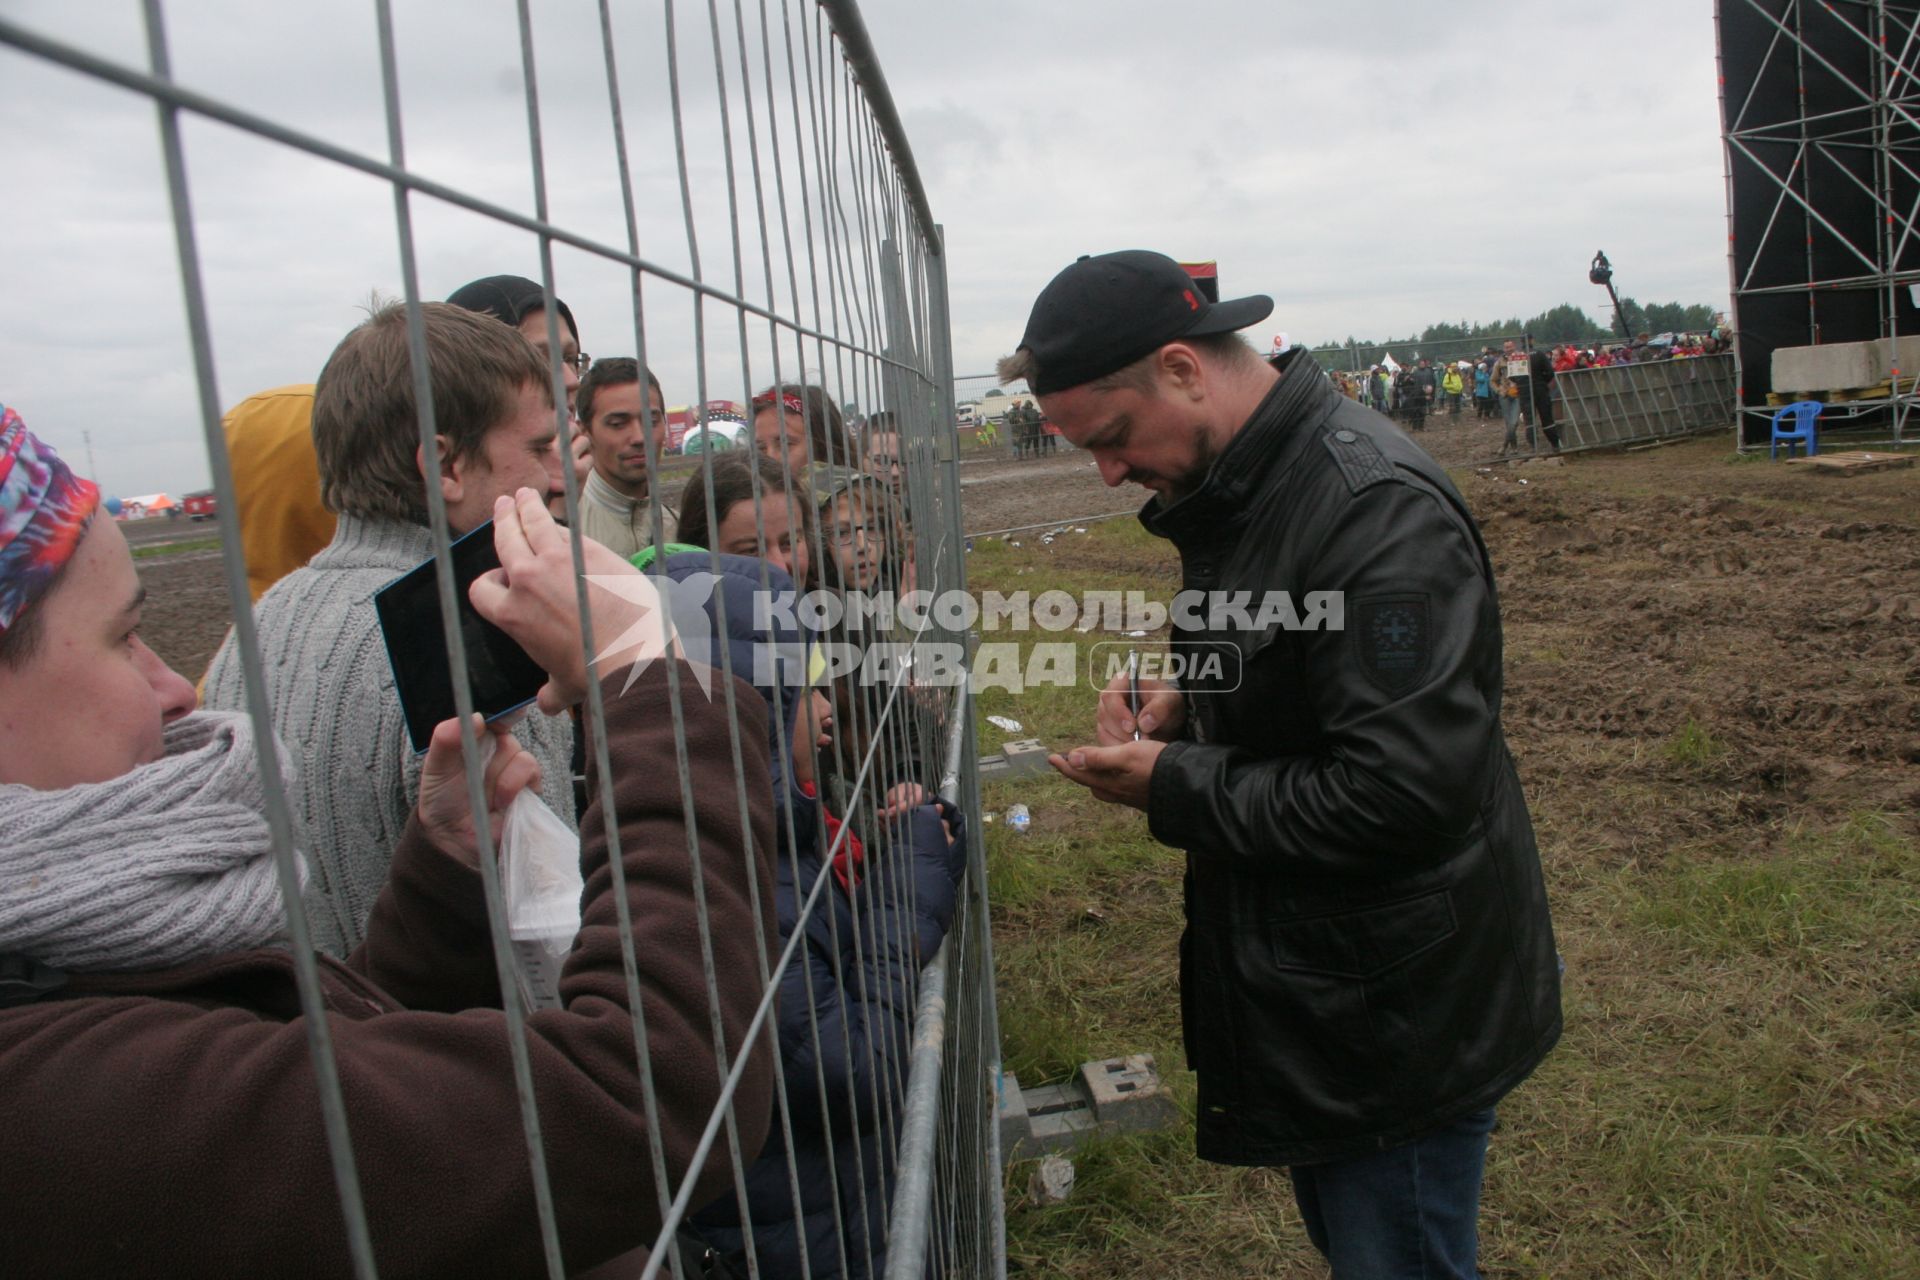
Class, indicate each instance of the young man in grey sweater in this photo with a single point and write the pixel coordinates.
(618, 497)
(327, 675)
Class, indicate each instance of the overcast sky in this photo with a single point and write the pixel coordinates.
(1374, 165)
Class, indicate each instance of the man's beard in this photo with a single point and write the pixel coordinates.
(1180, 486)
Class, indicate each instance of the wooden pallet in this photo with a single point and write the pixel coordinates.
(1836, 395)
(1848, 394)
(1853, 463)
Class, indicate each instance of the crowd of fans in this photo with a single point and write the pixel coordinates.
(151, 1034)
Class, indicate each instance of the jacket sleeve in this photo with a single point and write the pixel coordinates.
(166, 1137)
(864, 1007)
(1406, 728)
(428, 943)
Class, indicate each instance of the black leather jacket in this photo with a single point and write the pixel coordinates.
(1368, 952)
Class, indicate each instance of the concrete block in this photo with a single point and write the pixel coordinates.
(1017, 759)
(1057, 1116)
(1118, 1095)
(1829, 366)
(1011, 1111)
(1839, 366)
(1126, 1094)
(1026, 755)
(1902, 354)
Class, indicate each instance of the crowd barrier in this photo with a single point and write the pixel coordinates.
(1648, 400)
(806, 252)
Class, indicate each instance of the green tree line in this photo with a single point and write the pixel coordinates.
(1564, 323)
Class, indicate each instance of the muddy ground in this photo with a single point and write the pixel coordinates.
(1776, 611)
(187, 611)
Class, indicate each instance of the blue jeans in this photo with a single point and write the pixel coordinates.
(1510, 410)
(1409, 1213)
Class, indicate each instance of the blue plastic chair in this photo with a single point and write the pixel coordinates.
(1803, 413)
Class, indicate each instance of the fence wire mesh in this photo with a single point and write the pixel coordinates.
(1650, 400)
(725, 189)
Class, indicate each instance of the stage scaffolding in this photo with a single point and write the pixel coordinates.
(1820, 115)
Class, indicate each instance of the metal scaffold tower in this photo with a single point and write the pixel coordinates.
(1820, 114)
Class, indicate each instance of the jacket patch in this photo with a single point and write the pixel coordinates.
(1395, 639)
(1360, 461)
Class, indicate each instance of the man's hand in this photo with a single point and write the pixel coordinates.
(902, 798)
(1120, 774)
(1163, 712)
(444, 814)
(531, 597)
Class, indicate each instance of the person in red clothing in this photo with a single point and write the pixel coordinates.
(161, 1115)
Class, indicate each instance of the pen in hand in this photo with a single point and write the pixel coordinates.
(1133, 690)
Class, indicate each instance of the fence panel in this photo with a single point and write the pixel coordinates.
(1650, 400)
(782, 271)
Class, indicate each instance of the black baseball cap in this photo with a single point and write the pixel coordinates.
(1106, 311)
(509, 298)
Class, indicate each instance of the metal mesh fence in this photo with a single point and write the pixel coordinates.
(1594, 408)
(780, 267)
(1653, 400)
(981, 406)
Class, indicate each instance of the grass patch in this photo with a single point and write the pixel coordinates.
(1693, 745)
(1828, 891)
(175, 548)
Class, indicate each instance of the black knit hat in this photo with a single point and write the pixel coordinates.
(1103, 313)
(509, 298)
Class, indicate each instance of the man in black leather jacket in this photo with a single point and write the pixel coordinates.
(1368, 964)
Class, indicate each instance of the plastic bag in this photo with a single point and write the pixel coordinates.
(540, 880)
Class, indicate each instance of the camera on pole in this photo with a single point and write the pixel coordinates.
(1600, 272)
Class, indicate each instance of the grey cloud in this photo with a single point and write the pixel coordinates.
(1373, 166)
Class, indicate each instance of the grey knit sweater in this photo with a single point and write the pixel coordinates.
(334, 706)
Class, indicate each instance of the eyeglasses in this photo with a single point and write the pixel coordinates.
(579, 362)
(847, 534)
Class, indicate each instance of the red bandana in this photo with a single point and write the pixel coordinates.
(847, 862)
(791, 403)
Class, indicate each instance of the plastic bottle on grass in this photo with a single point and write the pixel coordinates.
(1018, 819)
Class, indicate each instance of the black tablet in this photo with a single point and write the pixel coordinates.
(500, 674)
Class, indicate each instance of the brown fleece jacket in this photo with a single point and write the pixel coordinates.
(167, 1123)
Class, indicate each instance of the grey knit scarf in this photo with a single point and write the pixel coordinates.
(168, 863)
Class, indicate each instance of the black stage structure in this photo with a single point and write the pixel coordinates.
(1820, 115)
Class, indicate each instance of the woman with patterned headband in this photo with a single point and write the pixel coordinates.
(801, 428)
(158, 1110)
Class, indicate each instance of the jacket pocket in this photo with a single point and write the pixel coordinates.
(1338, 1005)
(1365, 943)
